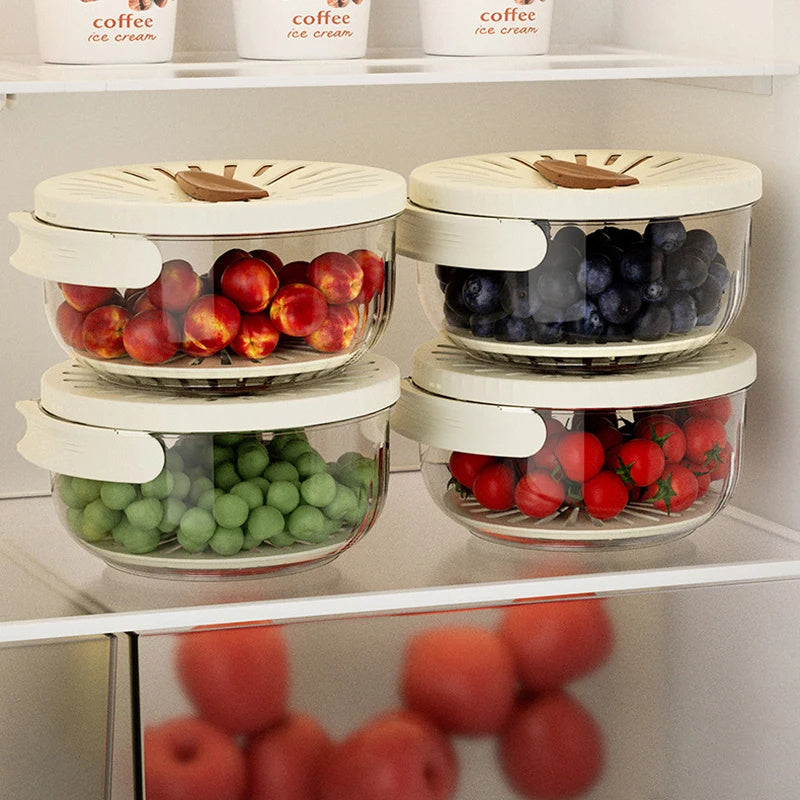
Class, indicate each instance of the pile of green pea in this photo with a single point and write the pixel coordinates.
(226, 493)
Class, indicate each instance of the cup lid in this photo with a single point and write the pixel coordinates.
(74, 393)
(241, 197)
(584, 185)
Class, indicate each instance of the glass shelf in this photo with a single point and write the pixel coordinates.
(226, 71)
(414, 560)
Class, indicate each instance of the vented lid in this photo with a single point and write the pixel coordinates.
(546, 185)
(74, 393)
(724, 366)
(148, 199)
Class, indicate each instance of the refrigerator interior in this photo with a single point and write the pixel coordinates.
(700, 697)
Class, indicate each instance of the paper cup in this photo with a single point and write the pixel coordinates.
(105, 31)
(301, 29)
(485, 27)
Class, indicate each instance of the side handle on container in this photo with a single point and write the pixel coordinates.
(510, 431)
(104, 454)
(93, 258)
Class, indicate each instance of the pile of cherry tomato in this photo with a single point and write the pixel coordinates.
(601, 462)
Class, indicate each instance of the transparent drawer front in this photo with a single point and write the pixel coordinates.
(57, 698)
(666, 695)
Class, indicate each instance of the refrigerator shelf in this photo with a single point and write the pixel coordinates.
(60, 591)
(224, 70)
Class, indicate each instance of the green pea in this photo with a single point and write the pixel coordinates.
(307, 523)
(250, 492)
(197, 525)
(344, 503)
(282, 471)
(264, 522)
(310, 463)
(199, 485)
(85, 490)
(99, 516)
(75, 520)
(226, 541)
(206, 500)
(62, 485)
(295, 448)
(251, 459)
(117, 495)
(230, 510)
(318, 490)
(121, 529)
(229, 439)
(261, 482)
(174, 461)
(181, 485)
(191, 545)
(226, 476)
(222, 454)
(279, 442)
(159, 487)
(145, 513)
(283, 539)
(174, 509)
(284, 496)
(140, 541)
(359, 473)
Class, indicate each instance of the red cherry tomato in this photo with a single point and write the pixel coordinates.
(538, 494)
(723, 466)
(580, 454)
(705, 440)
(493, 486)
(465, 466)
(718, 407)
(462, 678)
(666, 433)
(557, 641)
(553, 748)
(640, 462)
(703, 475)
(545, 457)
(674, 491)
(609, 436)
(605, 495)
(237, 678)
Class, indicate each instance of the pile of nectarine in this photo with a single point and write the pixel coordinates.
(459, 680)
(244, 304)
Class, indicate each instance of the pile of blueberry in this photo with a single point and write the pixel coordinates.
(614, 284)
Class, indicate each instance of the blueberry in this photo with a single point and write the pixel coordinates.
(620, 303)
(666, 234)
(513, 329)
(654, 323)
(595, 274)
(549, 314)
(444, 273)
(482, 325)
(617, 333)
(584, 320)
(685, 269)
(708, 296)
(481, 291)
(709, 317)
(623, 237)
(455, 319)
(557, 286)
(683, 311)
(563, 255)
(703, 241)
(719, 269)
(597, 239)
(655, 291)
(518, 295)
(641, 264)
(547, 332)
(571, 235)
(452, 292)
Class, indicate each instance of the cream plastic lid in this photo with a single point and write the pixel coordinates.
(146, 198)
(508, 185)
(724, 366)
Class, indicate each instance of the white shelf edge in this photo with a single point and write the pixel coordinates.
(28, 75)
(395, 601)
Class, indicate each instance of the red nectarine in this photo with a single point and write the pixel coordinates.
(102, 331)
(176, 287)
(257, 336)
(250, 283)
(86, 298)
(210, 324)
(151, 337)
(298, 309)
(338, 276)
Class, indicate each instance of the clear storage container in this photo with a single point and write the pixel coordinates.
(578, 461)
(581, 259)
(214, 274)
(170, 485)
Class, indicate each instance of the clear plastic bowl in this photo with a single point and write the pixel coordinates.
(628, 472)
(152, 287)
(222, 502)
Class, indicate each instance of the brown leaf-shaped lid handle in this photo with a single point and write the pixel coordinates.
(580, 176)
(216, 188)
